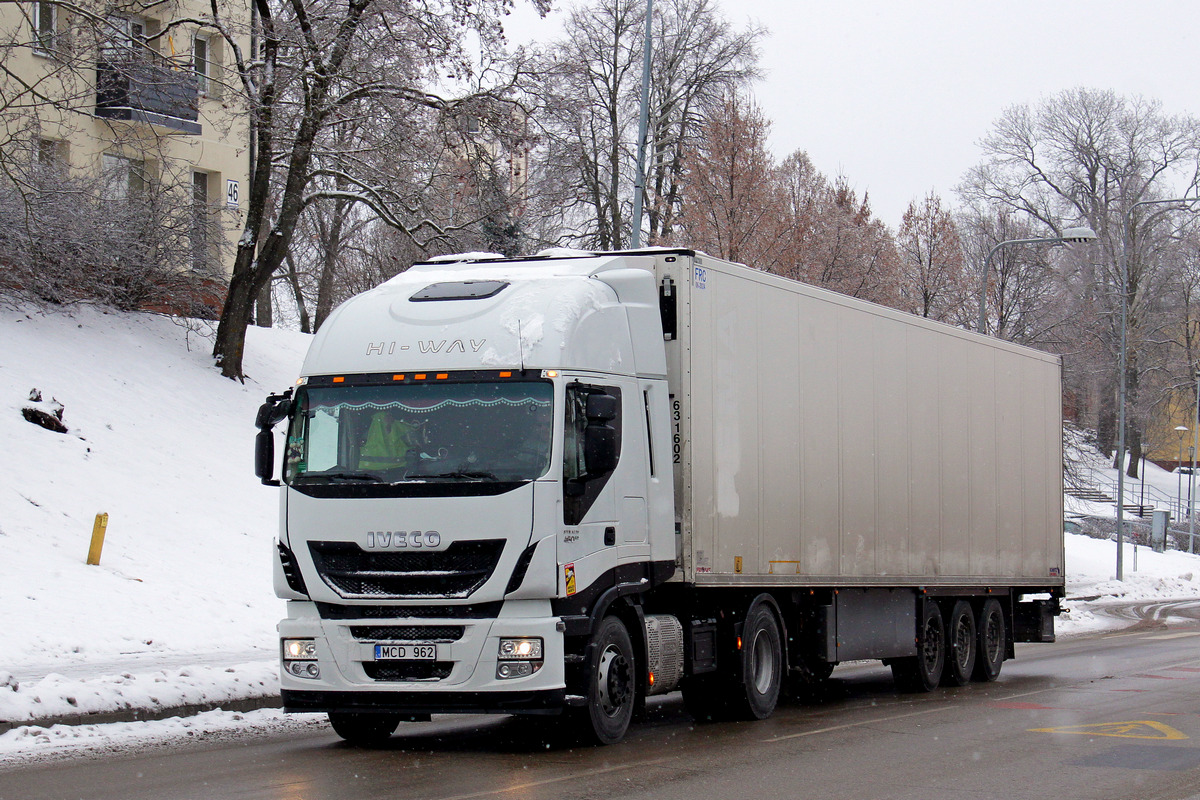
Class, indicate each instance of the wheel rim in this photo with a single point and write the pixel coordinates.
(930, 648)
(991, 638)
(613, 680)
(763, 662)
(962, 643)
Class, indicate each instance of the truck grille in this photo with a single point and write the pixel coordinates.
(407, 670)
(407, 633)
(457, 571)
(480, 611)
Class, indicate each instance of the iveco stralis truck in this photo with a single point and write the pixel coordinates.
(561, 484)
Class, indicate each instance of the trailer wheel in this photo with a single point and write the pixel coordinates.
(923, 672)
(960, 645)
(989, 657)
(363, 729)
(757, 692)
(612, 688)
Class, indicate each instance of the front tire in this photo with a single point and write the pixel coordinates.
(923, 672)
(363, 729)
(612, 686)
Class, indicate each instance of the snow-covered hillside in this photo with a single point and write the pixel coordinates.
(164, 445)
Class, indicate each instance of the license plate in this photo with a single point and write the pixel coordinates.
(406, 652)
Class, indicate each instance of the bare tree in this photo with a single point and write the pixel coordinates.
(321, 64)
(1086, 157)
(934, 282)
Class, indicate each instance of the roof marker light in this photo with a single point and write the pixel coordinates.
(442, 376)
(397, 377)
(339, 380)
(505, 374)
(550, 373)
(420, 377)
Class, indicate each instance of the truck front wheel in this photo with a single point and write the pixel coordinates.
(612, 688)
(363, 729)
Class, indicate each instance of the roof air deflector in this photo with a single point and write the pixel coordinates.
(459, 290)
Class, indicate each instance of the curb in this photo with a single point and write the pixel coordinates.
(145, 714)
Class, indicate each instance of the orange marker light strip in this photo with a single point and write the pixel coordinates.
(505, 374)
(442, 376)
(339, 380)
(420, 377)
(397, 377)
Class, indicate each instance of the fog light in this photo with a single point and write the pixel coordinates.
(302, 669)
(517, 669)
(300, 649)
(520, 649)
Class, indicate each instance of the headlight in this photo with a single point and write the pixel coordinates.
(520, 650)
(299, 649)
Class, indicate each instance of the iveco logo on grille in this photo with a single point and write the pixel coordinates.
(402, 540)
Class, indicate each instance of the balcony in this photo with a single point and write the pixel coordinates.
(159, 92)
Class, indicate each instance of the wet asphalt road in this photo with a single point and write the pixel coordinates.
(1114, 716)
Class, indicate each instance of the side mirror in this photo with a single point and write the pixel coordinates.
(264, 457)
(271, 412)
(600, 407)
(599, 449)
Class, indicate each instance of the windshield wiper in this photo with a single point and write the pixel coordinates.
(472, 475)
(365, 477)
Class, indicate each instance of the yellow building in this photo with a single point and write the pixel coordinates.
(136, 99)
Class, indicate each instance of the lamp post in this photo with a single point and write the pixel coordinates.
(1192, 485)
(1181, 430)
(1068, 236)
(639, 187)
(1142, 503)
(1122, 377)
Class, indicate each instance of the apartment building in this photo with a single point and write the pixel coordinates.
(135, 96)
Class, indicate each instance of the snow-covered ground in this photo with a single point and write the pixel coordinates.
(180, 609)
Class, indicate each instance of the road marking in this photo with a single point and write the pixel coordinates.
(1138, 729)
(1023, 706)
(572, 777)
(875, 721)
(1161, 636)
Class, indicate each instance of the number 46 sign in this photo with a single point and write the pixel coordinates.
(231, 193)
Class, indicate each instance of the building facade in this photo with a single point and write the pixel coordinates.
(134, 102)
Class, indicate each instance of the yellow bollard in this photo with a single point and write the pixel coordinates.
(97, 538)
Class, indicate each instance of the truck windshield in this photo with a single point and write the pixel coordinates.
(460, 433)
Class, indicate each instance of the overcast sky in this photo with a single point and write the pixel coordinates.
(895, 94)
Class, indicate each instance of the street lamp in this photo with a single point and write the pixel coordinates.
(1068, 236)
(1122, 378)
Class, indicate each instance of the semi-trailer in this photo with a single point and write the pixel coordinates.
(561, 484)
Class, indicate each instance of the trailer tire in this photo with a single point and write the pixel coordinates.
(989, 655)
(923, 672)
(363, 729)
(611, 688)
(961, 644)
(761, 675)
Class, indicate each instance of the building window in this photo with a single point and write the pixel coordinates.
(201, 63)
(52, 157)
(45, 27)
(125, 38)
(124, 178)
(200, 220)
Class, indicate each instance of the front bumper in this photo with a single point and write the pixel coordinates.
(545, 701)
(461, 679)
